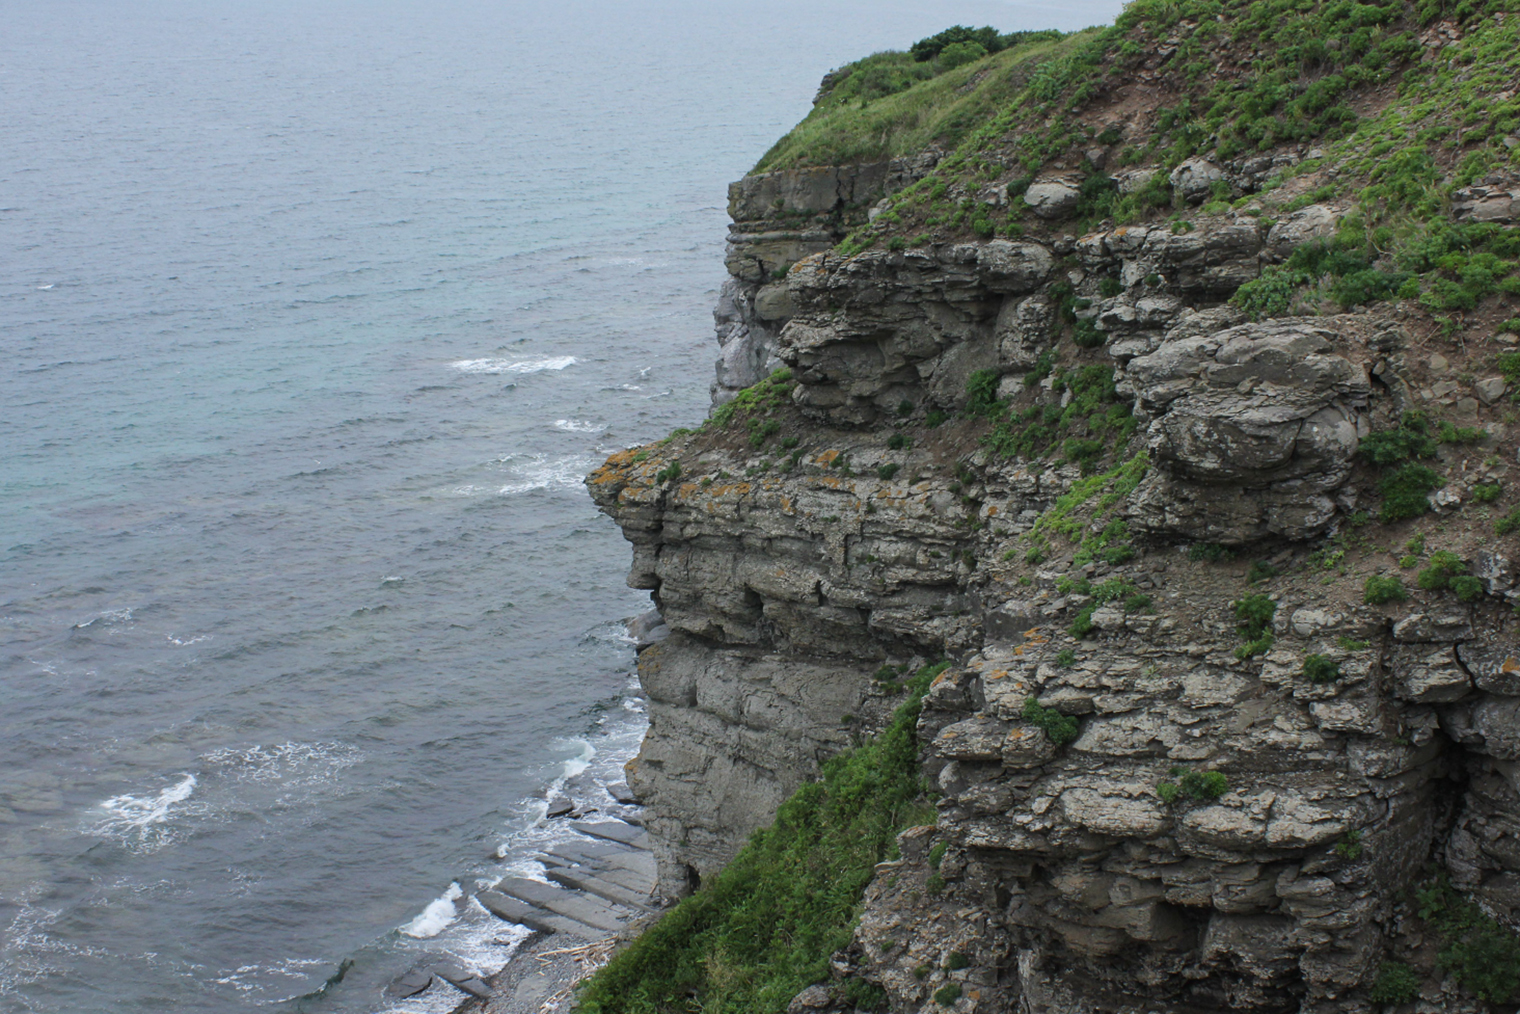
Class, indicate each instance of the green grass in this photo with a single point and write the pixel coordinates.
(753, 404)
(764, 927)
(872, 120)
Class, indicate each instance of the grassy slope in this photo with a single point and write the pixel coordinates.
(765, 926)
(848, 126)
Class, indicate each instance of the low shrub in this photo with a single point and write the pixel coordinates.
(1382, 589)
(1208, 552)
(1321, 669)
(1197, 785)
(947, 994)
(1509, 524)
(1254, 613)
(1476, 951)
(1396, 983)
(1406, 492)
(1448, 572)
(1061, 729)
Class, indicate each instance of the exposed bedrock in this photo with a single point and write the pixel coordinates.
(1093, 892)
(790, 564)
(778, 219)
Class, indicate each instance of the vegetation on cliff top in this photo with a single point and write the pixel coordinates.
(764, 927)
(1407, 100)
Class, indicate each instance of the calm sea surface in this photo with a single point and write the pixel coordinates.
(312, 316)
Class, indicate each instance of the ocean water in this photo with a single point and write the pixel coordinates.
(313, 316)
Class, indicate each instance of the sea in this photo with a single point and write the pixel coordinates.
(313, 315)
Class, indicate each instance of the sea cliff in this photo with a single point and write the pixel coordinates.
(1162, 387)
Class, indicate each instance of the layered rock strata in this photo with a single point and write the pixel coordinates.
(791, 562)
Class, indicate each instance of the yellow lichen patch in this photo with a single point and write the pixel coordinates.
(1510, 665)
(991, 511)
(996, 674)
(940, 678)
(826, 459)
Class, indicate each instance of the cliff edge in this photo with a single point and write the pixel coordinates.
(1160, 380)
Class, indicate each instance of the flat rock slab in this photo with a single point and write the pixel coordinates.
(609, 858)
(579, 879)
(614, 830)
(523, 914)
(580, 907)
(467, 982)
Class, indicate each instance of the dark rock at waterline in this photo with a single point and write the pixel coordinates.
(647, 629)
(559, 806)
(622, 793)
(411, 983)
(467, 982)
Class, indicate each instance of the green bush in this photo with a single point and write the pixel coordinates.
(1061, 729)
(1479, 954)
(947, 994)
(763, 928)
(1255, 612)
(1208, 552)
(981, 393)
(668, 473)
(956, 961)
(1066, 658)
(885, 472)
(1396, 983)
(1198, 785)
(866, 996)
(958, 54)
(1204, 784)
(1508, 524)
(1410, 439)
(1321, 669)
(1382, 589)
(1406, 492)
(1487, 493)
(1443, 567)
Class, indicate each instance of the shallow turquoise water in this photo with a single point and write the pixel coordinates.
(313, 316)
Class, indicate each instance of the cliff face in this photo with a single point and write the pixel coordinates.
(1188, 757)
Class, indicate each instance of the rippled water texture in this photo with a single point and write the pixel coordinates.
(312, 318)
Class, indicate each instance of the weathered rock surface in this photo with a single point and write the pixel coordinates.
(1253, 428)
(1057, 875)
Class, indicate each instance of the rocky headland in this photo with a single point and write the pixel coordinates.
(1163, 388)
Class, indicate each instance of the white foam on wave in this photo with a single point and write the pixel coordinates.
(513, 365)
(581, 761)
(438, 915)
(185, 642)
(141, 823)
(578, 426)
(538, 471)
(290, 765)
